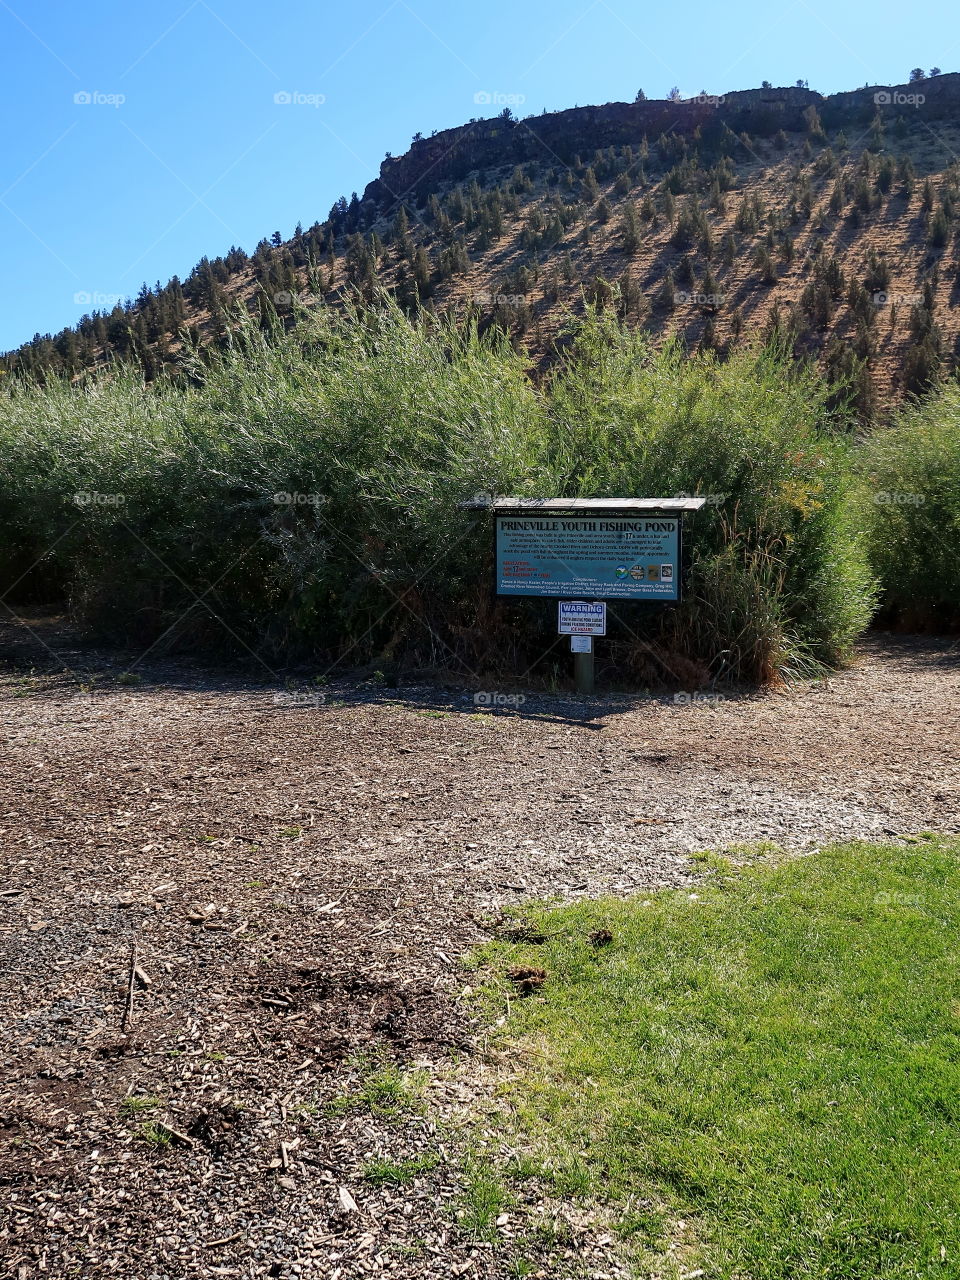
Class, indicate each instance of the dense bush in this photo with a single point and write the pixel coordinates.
(300, 494)
(911, 473)
(778, 578)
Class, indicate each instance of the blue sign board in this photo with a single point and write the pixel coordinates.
(608, 555)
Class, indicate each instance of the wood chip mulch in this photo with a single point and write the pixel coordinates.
(222, 909)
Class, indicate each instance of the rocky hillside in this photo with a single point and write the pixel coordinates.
(831, 221)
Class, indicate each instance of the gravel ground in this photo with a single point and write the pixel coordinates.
(290, 877)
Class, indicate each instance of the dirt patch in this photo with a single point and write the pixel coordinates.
(297, 884)
(338, 1012)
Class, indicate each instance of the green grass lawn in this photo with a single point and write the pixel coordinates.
(774, 1060)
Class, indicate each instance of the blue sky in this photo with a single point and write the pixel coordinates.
(181, 148)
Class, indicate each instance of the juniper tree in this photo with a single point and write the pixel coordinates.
(667, 297)
(885, 175)
(401, 233)
(630, 227)
(764, 263)
(939, 231)
(421, 273)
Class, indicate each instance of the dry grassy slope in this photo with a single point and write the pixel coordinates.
(895, 230)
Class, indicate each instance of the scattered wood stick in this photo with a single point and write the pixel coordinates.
(131, 983)
(175, 1133)
(216, 1244)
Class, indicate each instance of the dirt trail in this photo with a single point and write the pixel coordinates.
(299, 877)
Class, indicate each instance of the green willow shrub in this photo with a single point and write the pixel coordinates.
(778, 575)
(911, 507)
(300, 493)
(73, 460)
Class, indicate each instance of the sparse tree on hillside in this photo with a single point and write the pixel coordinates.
(401, 233)
(667, 296)
(764, 263)
(814, 124)
(917, 74)
(939, 232)
(631, 228)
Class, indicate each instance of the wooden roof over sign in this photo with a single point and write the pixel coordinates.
(587, 504)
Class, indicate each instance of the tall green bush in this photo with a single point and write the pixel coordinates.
(778, 579)
(911, 508)
(301, 493)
